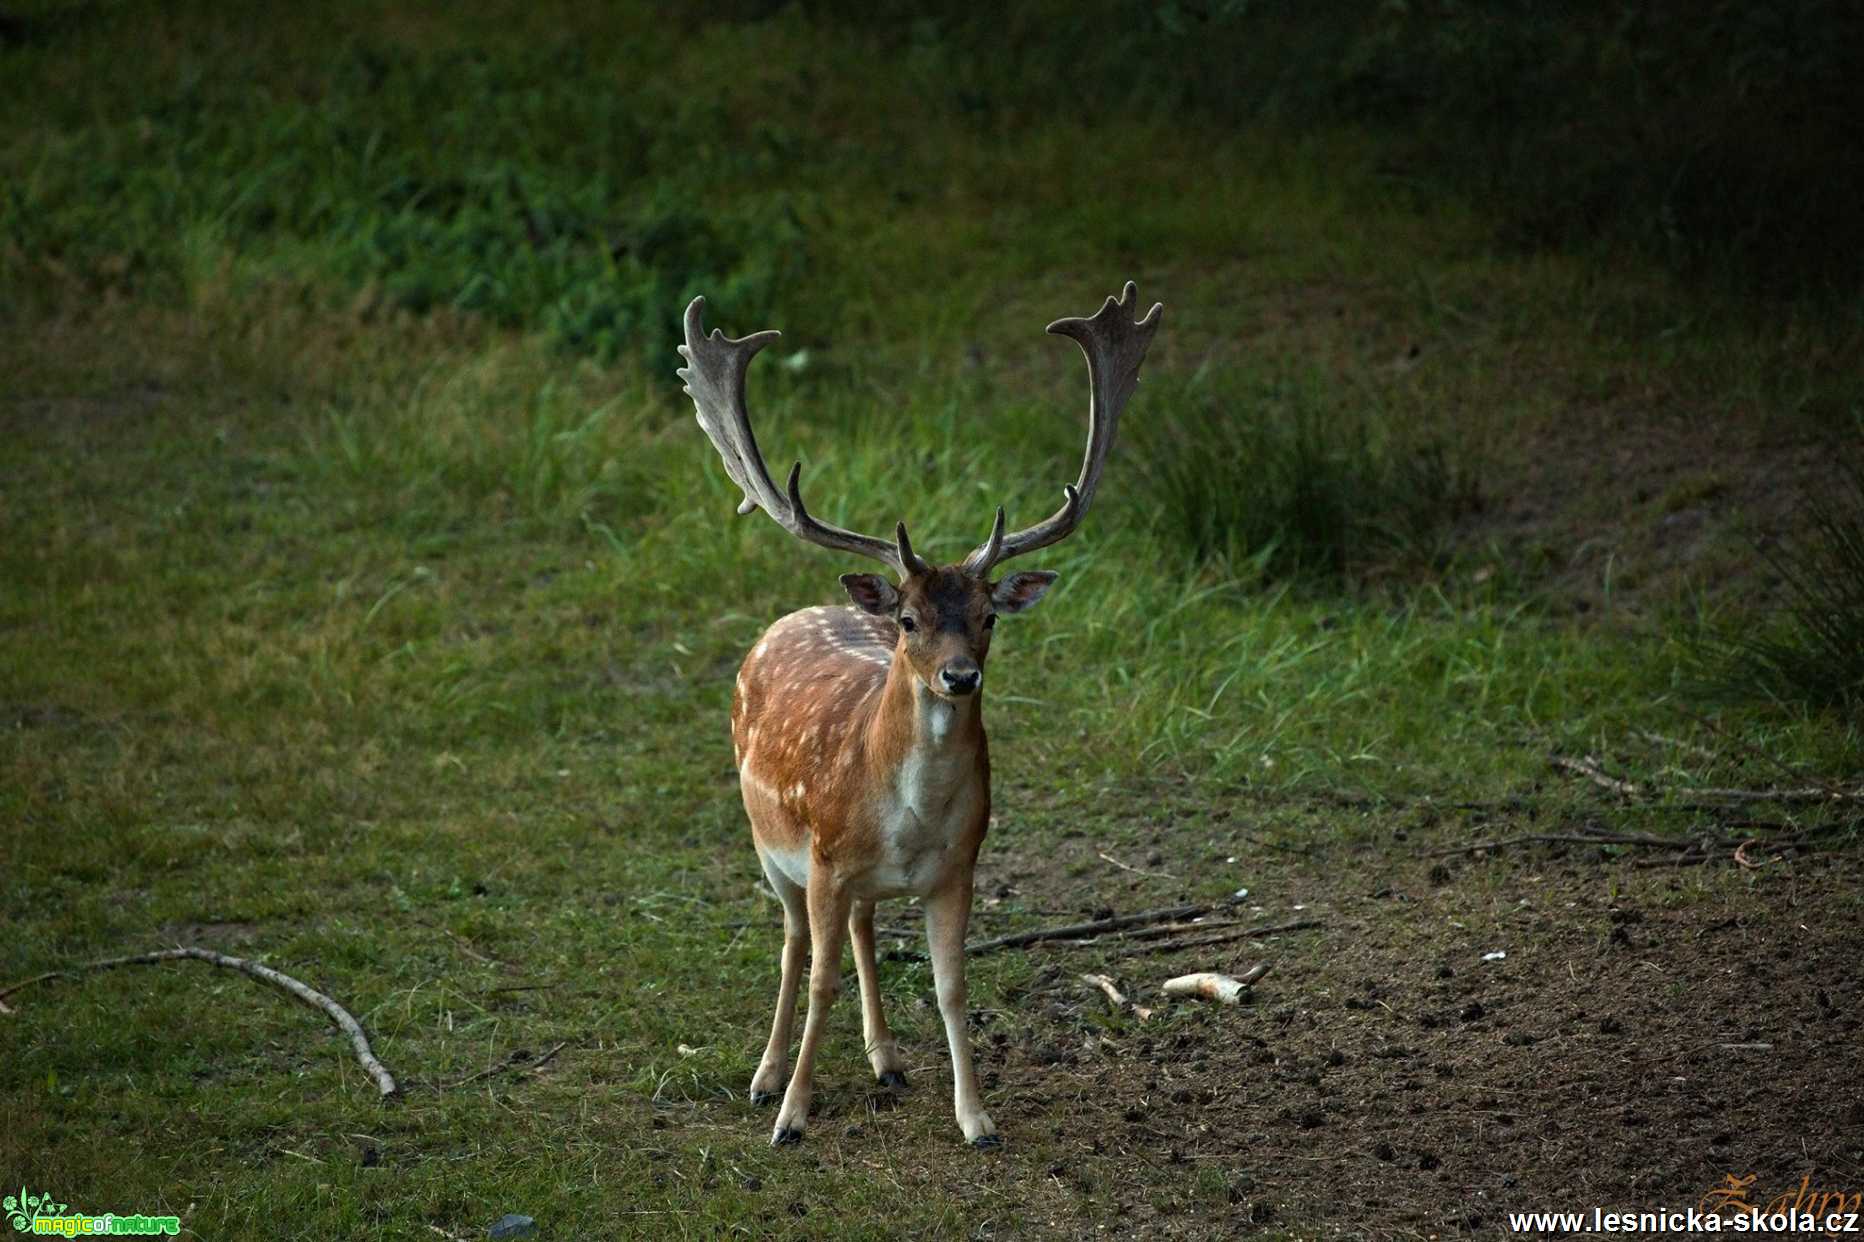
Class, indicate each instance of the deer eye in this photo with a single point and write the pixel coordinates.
(990, 622)
(907, 623)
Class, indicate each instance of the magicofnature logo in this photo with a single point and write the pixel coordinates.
(40, 1214)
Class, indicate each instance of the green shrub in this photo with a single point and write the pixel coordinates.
(524, 187)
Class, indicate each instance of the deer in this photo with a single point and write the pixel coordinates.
(858, 732)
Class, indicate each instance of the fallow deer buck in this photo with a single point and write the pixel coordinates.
(858, 732)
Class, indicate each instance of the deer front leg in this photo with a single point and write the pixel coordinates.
(882, 1052)
(948, 914)
(768, 1080)
(828, 914)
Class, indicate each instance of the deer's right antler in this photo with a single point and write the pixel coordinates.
(714, 374)
(1115, 345)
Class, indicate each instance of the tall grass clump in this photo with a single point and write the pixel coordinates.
(1286, 479)
(1812, 655)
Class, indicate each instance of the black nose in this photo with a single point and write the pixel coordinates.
(961, 678)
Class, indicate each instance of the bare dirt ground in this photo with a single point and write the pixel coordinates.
(1651, 1031)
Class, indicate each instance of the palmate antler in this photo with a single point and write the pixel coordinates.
(714, 375)
(1115, 345)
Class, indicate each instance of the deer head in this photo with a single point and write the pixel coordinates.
(945, 614)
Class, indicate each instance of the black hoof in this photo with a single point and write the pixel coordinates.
(786, 1138)
(894, 1078)
(987, 1142)
(761, 1098)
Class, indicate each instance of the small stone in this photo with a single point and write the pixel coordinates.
(511, 1225)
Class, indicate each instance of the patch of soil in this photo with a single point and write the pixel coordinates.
(1617, 506)
(1650, 1033)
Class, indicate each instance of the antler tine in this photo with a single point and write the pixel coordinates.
(910, 562)
(714, 374)
(1115, 345)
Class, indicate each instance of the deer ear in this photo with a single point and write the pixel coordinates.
(871, 593)
(1020, 591)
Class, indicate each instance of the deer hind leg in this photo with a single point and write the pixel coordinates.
(882, 1052)
(768, 1080)
(829, 905)
(948, 913)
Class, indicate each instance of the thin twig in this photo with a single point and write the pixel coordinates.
(1763, 756)
(1679, 860)
(1157, 875)
(516, 1058)
(26, 983)
(1173, 929)
(469, 951)
(1247, 933)
(1589, 768)
(1075, 931)
(1677, 743)
(384, 1081)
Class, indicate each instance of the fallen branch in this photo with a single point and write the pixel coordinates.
(516, 1058)
(1590, 769)
(1677, 743)
(1076, 931)
(1695, 847)
(384, 1081)
(1172, 946)
(1174, 929)
(1765, 756)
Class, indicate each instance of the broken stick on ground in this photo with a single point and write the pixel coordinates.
(1590, 768)
(384, 1081)
(1074, 931)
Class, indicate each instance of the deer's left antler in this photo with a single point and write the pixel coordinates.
(1115, 345)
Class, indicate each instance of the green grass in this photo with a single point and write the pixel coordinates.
(1813, 652)
(370, 597)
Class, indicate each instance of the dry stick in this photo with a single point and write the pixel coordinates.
(1764, 756)
(1539, 838)
(384, 1081)
(1589, 768)
(1170, 946)
(509, 1062)
(1173, 929)
(1157, 875)
(1074, 931)
(26, 983)
(1677, 743)
(1699, 846)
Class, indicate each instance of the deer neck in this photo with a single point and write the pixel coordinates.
(913, 723)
